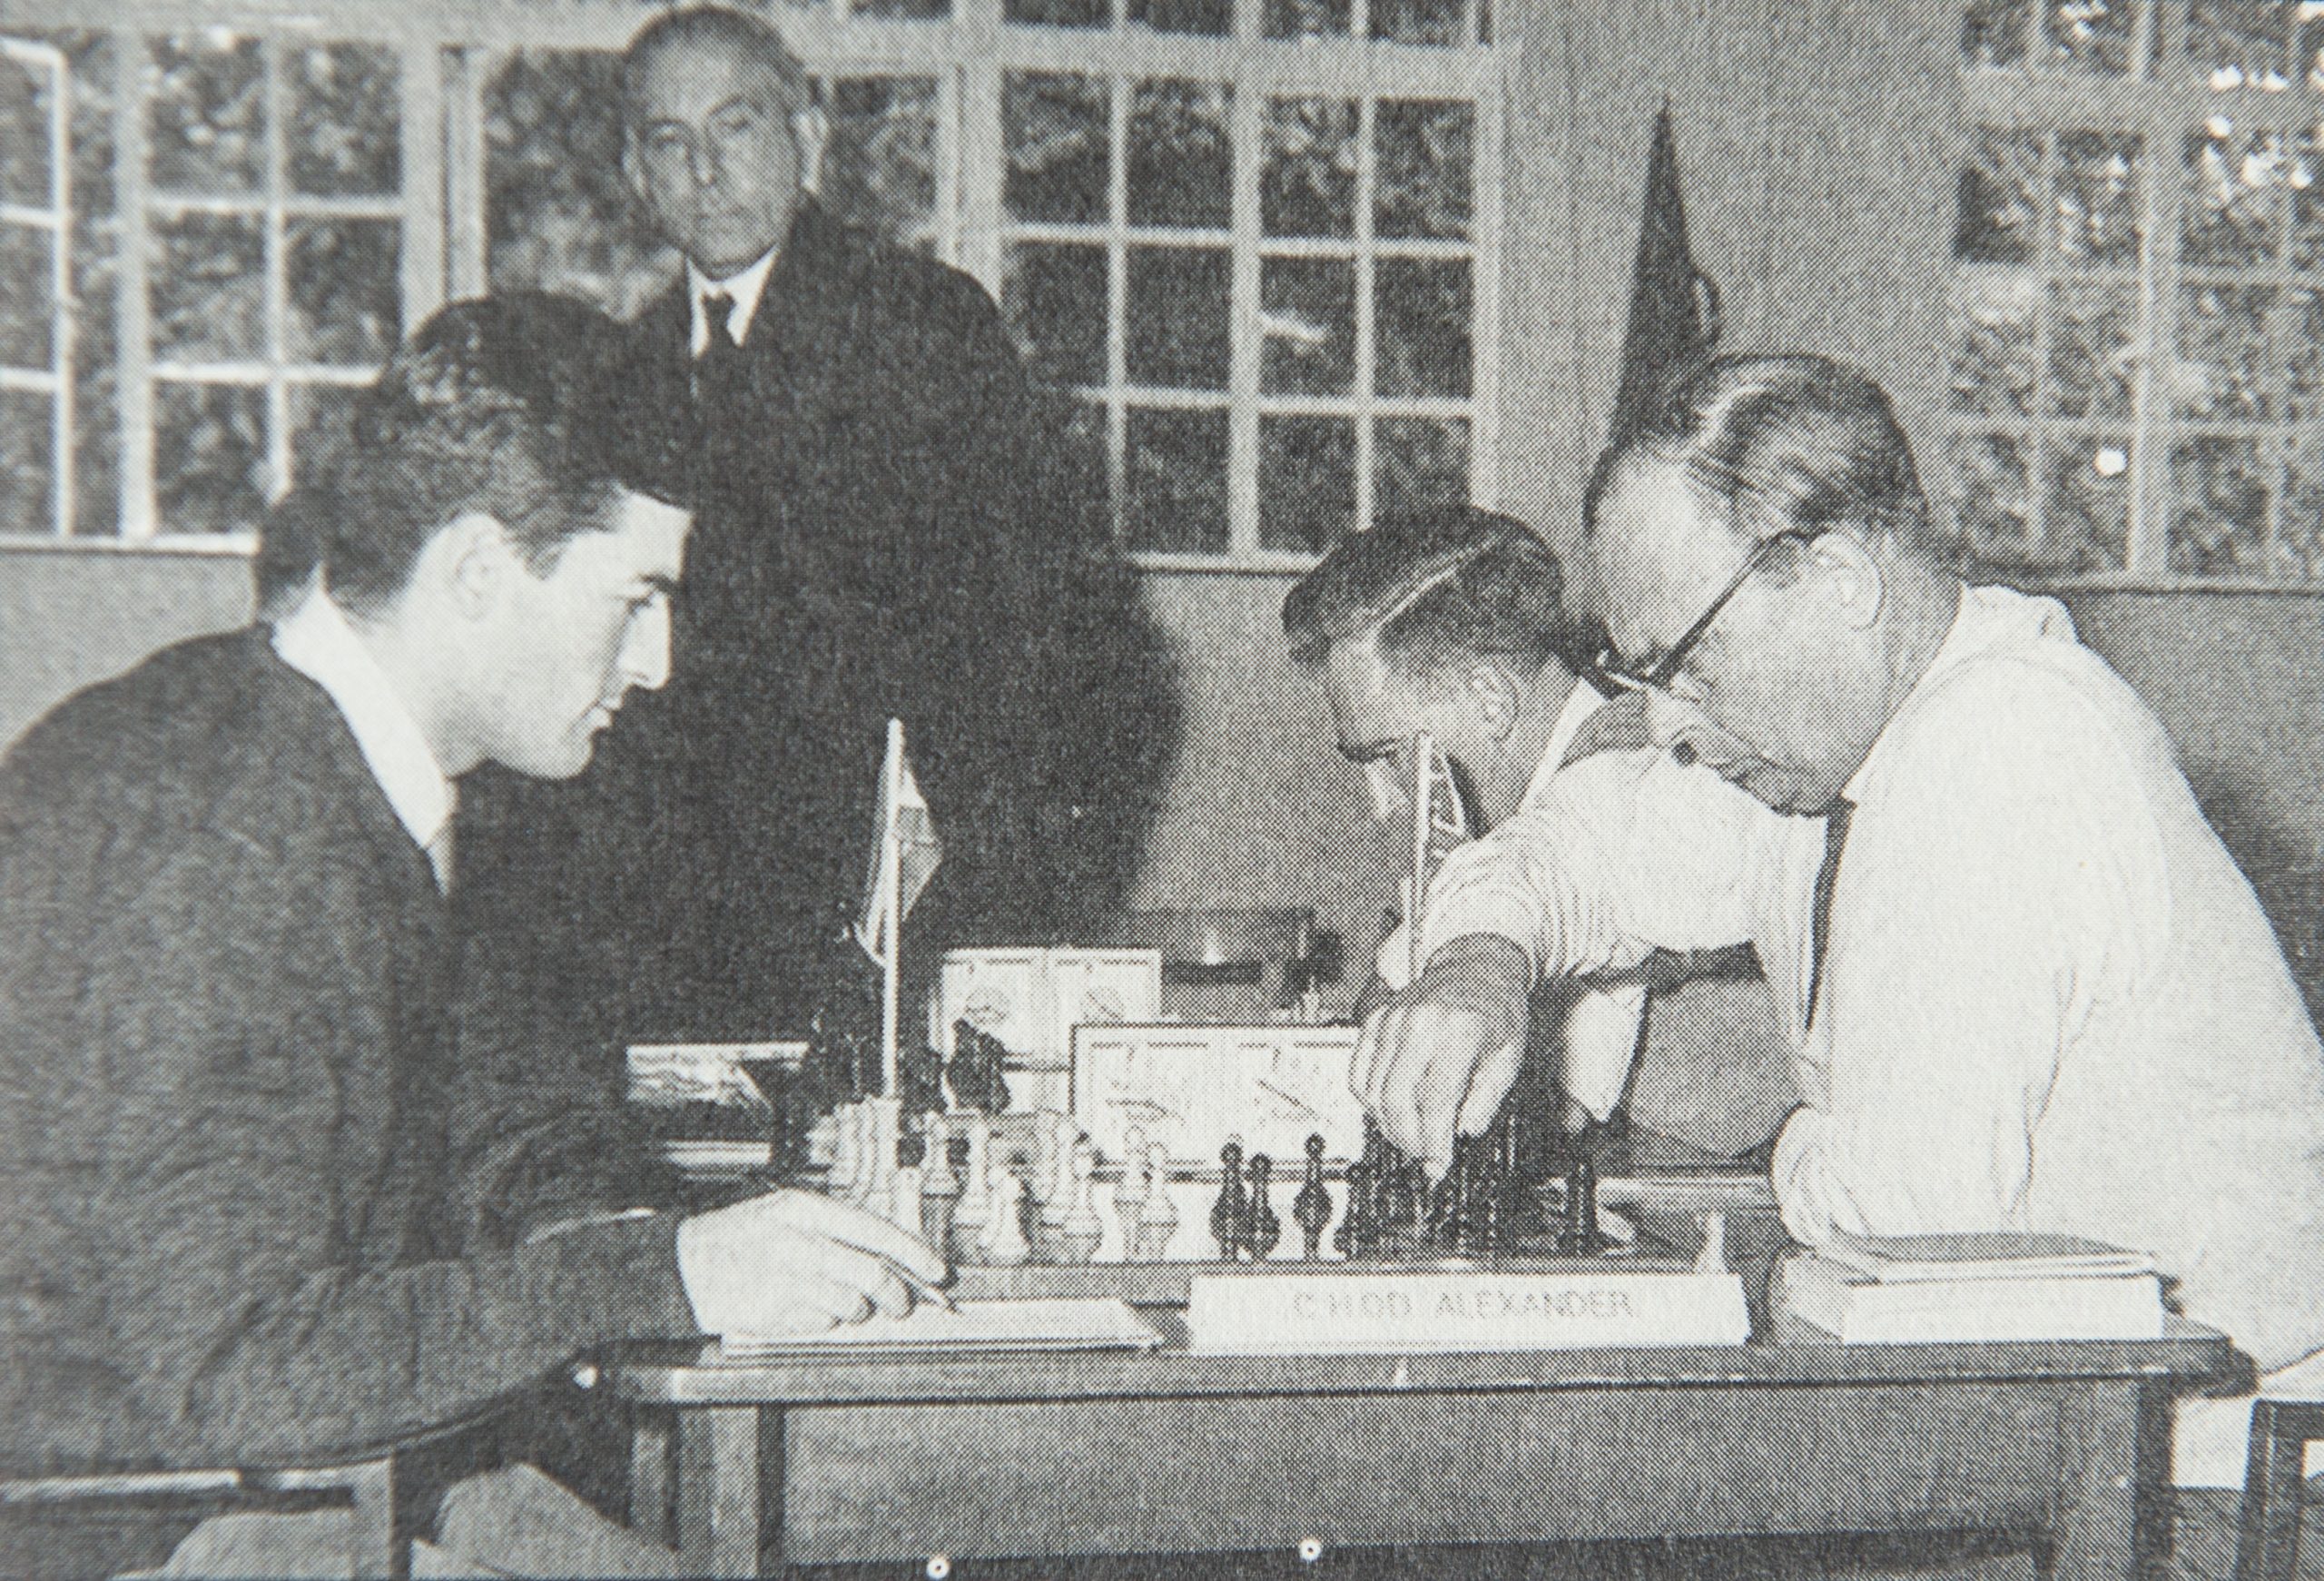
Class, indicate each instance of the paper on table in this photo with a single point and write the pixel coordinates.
(1081, 1323)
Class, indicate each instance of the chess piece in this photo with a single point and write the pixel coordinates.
(1312, 1209)
(1005, 1245)
(1226, 1214)
(972, 1218)
(846, 1142)
(1712, 1259)
(885, 1117)
(1129, 1193)
(1580, 1236)
(906, 1198)
(1081, 1230)
(1158, 1225)
(939, 1195)
(1359, 1232)
(1261, 1228)
(1053, 1181)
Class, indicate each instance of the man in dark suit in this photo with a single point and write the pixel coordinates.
(252, 1209)
(885, 529)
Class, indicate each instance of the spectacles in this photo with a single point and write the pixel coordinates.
(1658, 675)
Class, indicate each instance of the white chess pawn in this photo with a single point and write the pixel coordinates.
(973, 1216)
(904, 1194)
(936, 1161)
(1079, 1235)
(885, 1119)
(1061, 1136)
(1159, 1225)
(1130, 1194)
(1004, 1239)
(846, 1144)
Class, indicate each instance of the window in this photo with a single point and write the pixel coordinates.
(2138, 309)
(1256, 238)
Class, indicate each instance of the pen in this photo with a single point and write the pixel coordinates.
(922, 1291)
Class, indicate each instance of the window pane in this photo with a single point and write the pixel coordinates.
(2300, 535)
(1427, 150)
(1059, 13)
(2229, 215)
(206, 113)
(345, 291)
(2220, 488)
(923, 10)
(2094, 331)
(1177, 470)
(1993, 32)
(24, 150)
(1439, 21)
(1181, 164)
(2245, 37)
(346, 118)
(2224, 368)
(1992, 499)
(1998, 207)
(1307, 313)
(96, 244)
(209, 457)
(1423, 315)
(1306, 482)
(1055, 297)
(880, 172)
(1418, 464)
(2304, 181)
(2092, 36)
(2098, 197)
(558, 216)
(1307, 182)
(208, 287)
(2089, 505)
(1058, 141)
(27, 296)
(1307, 18)
(1178, 318)
(1212, 16)
(1995, 365)
(2304, 381)
(27, 480)
(318, 425)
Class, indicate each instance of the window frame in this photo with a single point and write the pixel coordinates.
(55, 217)
(450, 53)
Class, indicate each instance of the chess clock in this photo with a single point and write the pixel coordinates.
(1195, 1088)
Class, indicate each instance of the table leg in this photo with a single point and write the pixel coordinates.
(2115, 1511)
(720, 1489)
(651, 1447)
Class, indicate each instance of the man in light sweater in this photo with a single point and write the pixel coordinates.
(2026, 987)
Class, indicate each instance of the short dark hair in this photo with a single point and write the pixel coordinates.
(510, 405)
(1776, 443)
(1445, 587)
(753, 37)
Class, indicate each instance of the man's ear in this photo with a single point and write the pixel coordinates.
(1856, 576)
(813, 132)
(469, 562)
(1497, 697)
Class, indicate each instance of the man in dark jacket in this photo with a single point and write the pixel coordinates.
(883, 531)
(249, 1210)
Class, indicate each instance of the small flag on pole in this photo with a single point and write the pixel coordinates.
(906, 857)
(1440, 822)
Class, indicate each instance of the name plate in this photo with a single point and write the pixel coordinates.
(1322, 1314)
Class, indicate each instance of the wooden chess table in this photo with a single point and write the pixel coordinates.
(934, 1463)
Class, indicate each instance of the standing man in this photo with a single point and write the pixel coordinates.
(2026, 987)
(877, 537)
(1457, 622)
(251, 1211)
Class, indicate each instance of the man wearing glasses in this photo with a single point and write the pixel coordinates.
(2026, 986)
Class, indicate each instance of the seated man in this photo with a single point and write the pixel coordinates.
(233, 1224)
(1456, 624)
(2025, 985)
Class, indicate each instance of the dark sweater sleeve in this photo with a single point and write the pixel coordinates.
(241, 1008)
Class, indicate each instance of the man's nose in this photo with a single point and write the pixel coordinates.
(645, 651)
(704, 157)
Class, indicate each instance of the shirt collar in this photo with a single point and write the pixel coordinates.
(1987, 619)
(316, 640)
(745, 288)
(1579, 703)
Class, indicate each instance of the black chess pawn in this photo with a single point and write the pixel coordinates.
(1229, 1215)
(1312, 1209)
(1261, 1228)
(1581, 1237)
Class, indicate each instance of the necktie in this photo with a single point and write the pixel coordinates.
(1827, 878)
(717, 317)
(440, 857)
